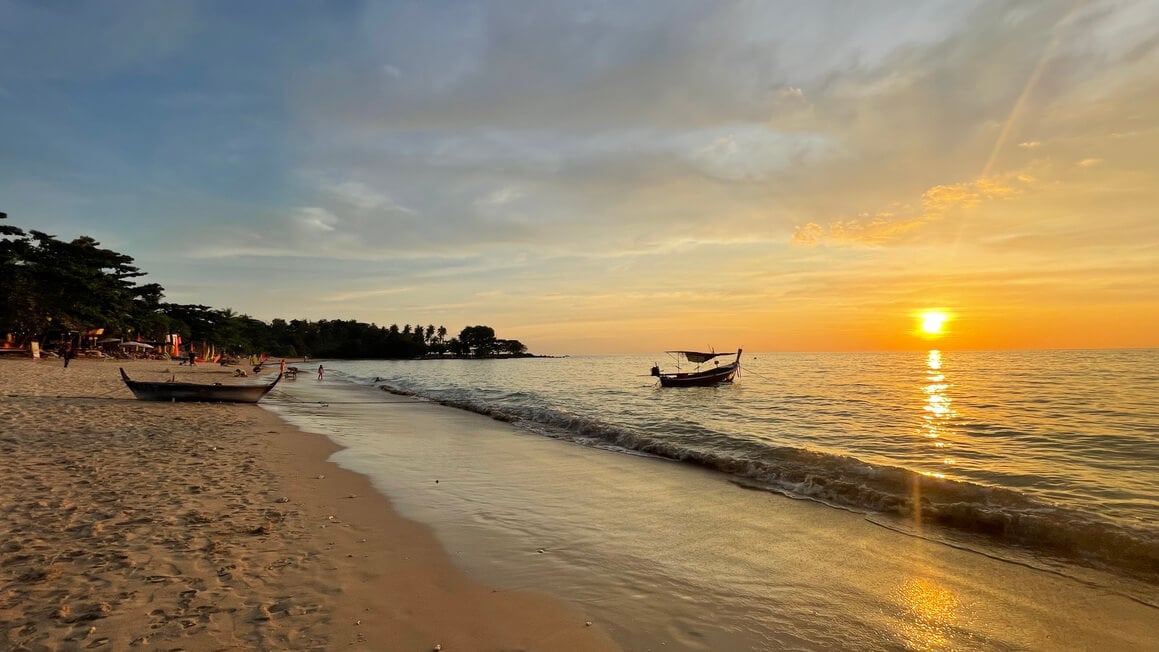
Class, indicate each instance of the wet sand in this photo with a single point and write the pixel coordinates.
(206, 527)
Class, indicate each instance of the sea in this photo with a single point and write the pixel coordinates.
(823, 500)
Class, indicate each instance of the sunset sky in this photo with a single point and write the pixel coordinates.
(598, 177)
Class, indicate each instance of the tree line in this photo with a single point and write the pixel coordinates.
(51, 291)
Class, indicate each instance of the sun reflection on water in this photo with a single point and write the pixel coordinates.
(929, 613)
(938, 409)
(937, 416)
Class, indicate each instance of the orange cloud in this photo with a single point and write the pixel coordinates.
(883, 227)
(939, 199)
(877, 229)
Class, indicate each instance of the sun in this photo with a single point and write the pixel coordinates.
(933, 323)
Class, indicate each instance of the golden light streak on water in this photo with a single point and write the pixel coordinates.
(937, 411)
(937, 407)
(930, 613)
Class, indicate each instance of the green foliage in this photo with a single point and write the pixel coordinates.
(51, 289)
(51, 286)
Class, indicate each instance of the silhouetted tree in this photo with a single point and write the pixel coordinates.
(48, 286)
(478, 341)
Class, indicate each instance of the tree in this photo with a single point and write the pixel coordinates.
(456, 347)
(54, 287)
(17, 292)
(511, 347)
(478, 341)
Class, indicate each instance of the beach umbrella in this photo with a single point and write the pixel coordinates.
(136, 345)
(109, 340)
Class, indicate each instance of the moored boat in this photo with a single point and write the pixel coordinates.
(699, 377)
(184, 392)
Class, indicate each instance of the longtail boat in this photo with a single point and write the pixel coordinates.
(213, 393)
(699, 377)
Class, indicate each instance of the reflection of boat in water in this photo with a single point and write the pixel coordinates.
(699, 377)
(215, 393)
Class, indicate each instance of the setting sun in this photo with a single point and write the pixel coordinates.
(933, 322)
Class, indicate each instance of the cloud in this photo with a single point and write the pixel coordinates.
(1090, 162)
(753, 153)
(687, 66)
(870, 230)
(314, 219)
(889, 226)
(341, 297)
(1030, 144)
(939, 199)
(634, 129)
(361, 197)
(499, 197)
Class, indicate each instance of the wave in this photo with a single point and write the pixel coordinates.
(995, 513)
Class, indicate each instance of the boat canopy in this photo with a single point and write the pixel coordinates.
(698, 357)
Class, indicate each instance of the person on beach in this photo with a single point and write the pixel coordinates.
(320, 372)
(67, 353)
(283, 369)
(192, 356)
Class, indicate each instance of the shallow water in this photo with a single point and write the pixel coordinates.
(1046, 459)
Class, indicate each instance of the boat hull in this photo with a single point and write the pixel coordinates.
(708, 378)
(195, 392)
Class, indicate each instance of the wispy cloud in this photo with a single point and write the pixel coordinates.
(889, 226)
(314, 219)
(341, 297)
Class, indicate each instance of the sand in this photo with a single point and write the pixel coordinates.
(213, 526)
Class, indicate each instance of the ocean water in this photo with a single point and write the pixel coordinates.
(1043, 461)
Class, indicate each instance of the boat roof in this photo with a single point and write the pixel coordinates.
(699, 356)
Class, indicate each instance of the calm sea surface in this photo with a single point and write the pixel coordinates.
(1048, 458)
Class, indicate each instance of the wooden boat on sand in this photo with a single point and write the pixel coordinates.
(714, 375)
(212, 393)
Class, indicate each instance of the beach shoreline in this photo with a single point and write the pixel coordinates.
(663, 553)
(210, 526)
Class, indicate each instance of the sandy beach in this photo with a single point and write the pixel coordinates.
(208, 527)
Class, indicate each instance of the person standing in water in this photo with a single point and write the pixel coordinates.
(320, 372)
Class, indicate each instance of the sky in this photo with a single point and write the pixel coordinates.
(609, 177)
